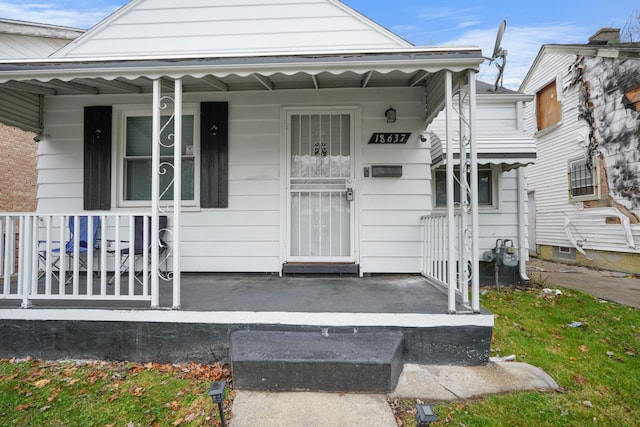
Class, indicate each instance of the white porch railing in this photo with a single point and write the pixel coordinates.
(436, 256)
(43, 260)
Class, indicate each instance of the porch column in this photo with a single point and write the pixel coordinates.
(451, 225)
(465, 197)
(177, 192)
(155, 192)
(475, 229)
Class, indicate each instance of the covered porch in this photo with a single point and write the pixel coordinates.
(216, 305)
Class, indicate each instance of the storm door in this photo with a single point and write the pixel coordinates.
(320, 186)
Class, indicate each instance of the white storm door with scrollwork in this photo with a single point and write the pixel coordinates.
(321, 193)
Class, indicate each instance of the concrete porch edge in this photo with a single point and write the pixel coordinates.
(408, 320)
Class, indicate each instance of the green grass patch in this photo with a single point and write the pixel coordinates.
(596, 364)
(38, 393)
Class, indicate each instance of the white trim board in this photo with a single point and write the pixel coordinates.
(408, 320)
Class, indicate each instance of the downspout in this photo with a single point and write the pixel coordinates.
(523, 231)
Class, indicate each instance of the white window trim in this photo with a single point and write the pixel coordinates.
(596, 180)
(495, 190)
(121, 112)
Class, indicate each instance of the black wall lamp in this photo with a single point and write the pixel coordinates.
(390, 114)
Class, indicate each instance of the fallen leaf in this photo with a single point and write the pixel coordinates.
(579, 379)
(41, 383)
(573, 359)
(136, 391)
(44, 408)
(610, 353)
(587, 404)
(24, 406)
(584, 349)
(190, 417)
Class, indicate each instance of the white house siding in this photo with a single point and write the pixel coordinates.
(205, 27)
(245, 237)
(559, 222)
(19, 46)
(548, 177)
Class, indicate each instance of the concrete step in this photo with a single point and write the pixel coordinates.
(367, 362)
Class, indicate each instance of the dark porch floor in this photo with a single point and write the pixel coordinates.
(272, 293)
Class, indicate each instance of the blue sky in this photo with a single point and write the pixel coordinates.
(530, 24)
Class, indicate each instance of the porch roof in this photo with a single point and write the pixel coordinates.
(22, 82)
(509, 149)
(418, 63)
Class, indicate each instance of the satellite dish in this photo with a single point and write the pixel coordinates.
(497, 49)
(498, 52)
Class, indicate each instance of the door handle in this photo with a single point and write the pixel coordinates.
(349, 194)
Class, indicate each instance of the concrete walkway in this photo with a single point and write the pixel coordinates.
(607, 285)
(429, 383)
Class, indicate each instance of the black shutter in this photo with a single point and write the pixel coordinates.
(97, 158)
(214, 159)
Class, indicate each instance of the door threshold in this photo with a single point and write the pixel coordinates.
(320, 268)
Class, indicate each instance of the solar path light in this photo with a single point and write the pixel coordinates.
(216, 391)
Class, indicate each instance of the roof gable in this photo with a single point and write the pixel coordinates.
(194, 28)
(20, 39)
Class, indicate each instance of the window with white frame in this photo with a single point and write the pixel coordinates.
(136, 154)
(486, 184)
(583, 180)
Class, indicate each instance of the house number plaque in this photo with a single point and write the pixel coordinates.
(390, 138)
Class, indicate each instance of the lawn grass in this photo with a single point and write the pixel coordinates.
(38, 393)
(597, 364)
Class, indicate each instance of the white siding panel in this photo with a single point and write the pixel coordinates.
(244, 233)
(226, 249)
(391, 265)
(206, 28)
(252, 202)
(20, 46)
(231, 264)
(392, 234)
(397, 202)
(391, 218)
(395, 186)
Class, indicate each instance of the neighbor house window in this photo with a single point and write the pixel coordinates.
(485, 187)
(583, 180)
(136, 159)
(547, 106)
